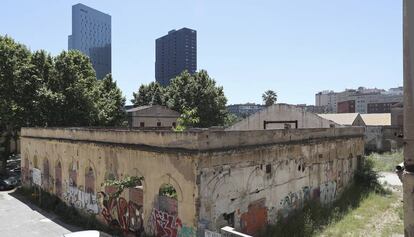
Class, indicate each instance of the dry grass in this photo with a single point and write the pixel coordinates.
(377, 215)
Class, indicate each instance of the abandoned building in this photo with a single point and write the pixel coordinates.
(281, 116)
(152, 116)
(242, 179)
(345, 119)
(381, 134)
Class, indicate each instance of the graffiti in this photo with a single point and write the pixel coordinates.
(81, 200)
(36, 176)
(165, 224)
(327, 192)
(255, 218)
(119, 213)
(186, 231)
(294, 200)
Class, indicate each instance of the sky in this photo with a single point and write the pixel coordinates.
(296, 48)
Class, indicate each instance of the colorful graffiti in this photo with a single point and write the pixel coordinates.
(119, 213)
(164, 220)
(80, 199)
(255, 218)
(186, 231)
(166, 225)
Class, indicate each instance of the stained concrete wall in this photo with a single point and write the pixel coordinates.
(249, 188)
(73, 150)
(253, 174)
(281, 112)
(383, 138)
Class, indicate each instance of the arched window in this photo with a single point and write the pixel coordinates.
(89, 181)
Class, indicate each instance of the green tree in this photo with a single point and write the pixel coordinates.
(110, 103)
(75, 83)
(151, 94)
(269, 97)
(16, 92)
(39, 90)
(187, 119)
(199, 92)
(231, 119)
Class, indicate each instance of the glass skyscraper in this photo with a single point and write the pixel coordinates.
(91, 34)
(175, 53)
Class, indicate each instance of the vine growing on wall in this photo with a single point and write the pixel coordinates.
(120, 185)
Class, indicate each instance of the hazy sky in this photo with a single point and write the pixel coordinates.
(295, 47)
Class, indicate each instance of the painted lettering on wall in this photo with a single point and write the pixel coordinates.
(166, 225)
(122, 214)
(294, 200)
(80, 199)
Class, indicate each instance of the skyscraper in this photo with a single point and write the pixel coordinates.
(174, 53)
(91, 34)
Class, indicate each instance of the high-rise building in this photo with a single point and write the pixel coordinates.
(174, 53)
(91, 34)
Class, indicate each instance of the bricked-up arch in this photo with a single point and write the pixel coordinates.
(89, 180)
(73, 174)
(167, 199)
(46, 174)
(35, 164)
(58, 179)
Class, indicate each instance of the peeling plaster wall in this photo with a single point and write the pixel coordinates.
(157, 169)
(241, 178)
(249, 188)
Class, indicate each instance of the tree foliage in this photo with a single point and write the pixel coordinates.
(37, 89)
(269, 97)
(110, 103)
(187, 119)
(197, 93)
(151, 94)
(122, 184)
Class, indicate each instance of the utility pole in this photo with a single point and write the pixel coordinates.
(408, 175)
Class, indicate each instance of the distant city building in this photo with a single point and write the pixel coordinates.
(314, 109)
(362, 100)
(174, 53)
(91, 34)
(244, 110)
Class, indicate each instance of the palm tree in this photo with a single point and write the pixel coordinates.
(269, 97)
